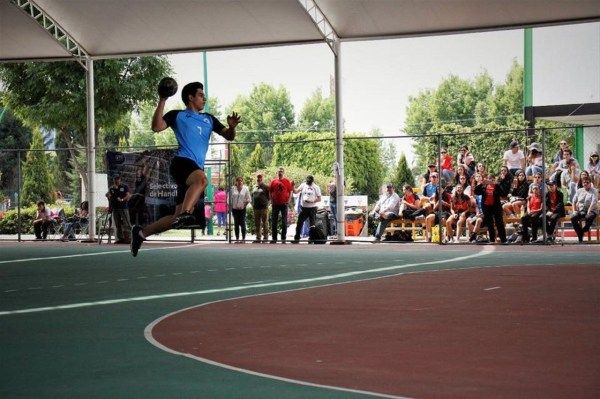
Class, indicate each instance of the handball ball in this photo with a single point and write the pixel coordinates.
(167, 87)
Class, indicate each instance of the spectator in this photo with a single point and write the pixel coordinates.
(559, 154)
(460, 206)
(137, 201)
(447, 165)
(593, 168)
(426, 178)
(534, 160)
(460, 171)
(220, 201)
(80, 217)
(513, 158)
(240, 198)
(310, 196)
(582, 175)
(280, 191)
(491, 192)
(481, 170)
(466, 159)
(533, 214)
(260, 204)
(118, 196)
(537, 179)
(464, 183)
(563, 166)
(570, 177)
(429, 192)
(41, 222)
(475, 221)
(585, 208)
(433, 218)
(518, 193)
(207, 216)
(409, 203)
(505, 179)
(555, 208)
(386, 210)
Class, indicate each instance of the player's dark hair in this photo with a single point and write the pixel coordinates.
(190, 89)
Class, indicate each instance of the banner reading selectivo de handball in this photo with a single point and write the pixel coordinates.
(152, 188)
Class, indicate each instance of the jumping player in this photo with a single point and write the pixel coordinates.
(193, 129)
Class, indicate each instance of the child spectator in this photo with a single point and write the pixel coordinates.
(409, 202)
(221, 208)
(459, 211)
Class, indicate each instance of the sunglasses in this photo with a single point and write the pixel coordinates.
(443, 152)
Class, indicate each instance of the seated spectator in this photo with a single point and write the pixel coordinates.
(433, 218)
(559, 154)
(533, 214)
(593, 168)
(537, 179)
(491, 192)
(481, 170)
(466, 159)
(464, 183)
(460, 171)
(81, 217)
(582, 175)
(409, 202)
(386, 210)
(555, 208)
(475, 221)
(518, 193)
(535, 160)
(564, 165)
(570, 178)
(426, 178)
(41, 222)
(460, 210)
(513, 158)
(429, 193)
(447, 165)
(505, 179)
(585, 208)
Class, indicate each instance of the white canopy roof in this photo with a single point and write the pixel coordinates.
(109, 28)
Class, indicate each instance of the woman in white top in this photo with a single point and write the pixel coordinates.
(240, 198)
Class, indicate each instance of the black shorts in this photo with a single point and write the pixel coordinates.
(181, 168)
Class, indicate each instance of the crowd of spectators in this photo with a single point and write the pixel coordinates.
(475, 203)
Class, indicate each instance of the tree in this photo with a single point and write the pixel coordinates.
(363, 167)
(37, 180)
(257, 159)
(264, 111)
(318, 110)
(403, 174)
(53, 94)
(13, 134)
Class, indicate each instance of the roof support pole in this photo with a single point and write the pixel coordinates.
(91, 148)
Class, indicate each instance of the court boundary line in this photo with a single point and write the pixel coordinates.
(485, 251)
(148, 330)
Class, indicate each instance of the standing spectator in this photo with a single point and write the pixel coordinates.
(118, 195)
(533, 214)
(492, 207)
(260, 204)
(447, 165)
(534, 159)
(593, 168)
(207, 216)
(386, 210)
(240, 198)
(41, 222)
(555, 208)
(505, 179)
(513, 158)
(220, 201)
(137, 201)
(280, 191)
(310, 195)
(585, 208)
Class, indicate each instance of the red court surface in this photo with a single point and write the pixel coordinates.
(510, 332)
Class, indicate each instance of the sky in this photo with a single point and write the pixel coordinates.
(378, 77)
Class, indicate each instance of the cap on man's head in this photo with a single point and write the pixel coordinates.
(389, 185)
(535, 146)
(551, 183)
(431, 165)
(514, 144)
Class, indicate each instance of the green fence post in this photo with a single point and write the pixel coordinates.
(210, 192)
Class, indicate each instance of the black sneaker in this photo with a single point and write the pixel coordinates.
(136, 239)
(184, 219)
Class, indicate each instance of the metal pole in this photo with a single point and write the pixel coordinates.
(339, 148)
(205, 64)
(543, 188)
(229, 199)
(19, 196)
(439, 188)
(91, 149)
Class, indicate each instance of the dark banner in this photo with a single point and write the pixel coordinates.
(151, 186)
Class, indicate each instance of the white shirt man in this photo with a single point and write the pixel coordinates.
(387, 208)
(514, 158)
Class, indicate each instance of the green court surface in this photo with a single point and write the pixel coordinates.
(72, 317)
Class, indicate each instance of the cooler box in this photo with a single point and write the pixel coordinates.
(354, 224)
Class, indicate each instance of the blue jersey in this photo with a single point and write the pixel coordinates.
(192, 130)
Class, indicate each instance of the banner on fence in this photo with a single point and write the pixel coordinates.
(151, 186)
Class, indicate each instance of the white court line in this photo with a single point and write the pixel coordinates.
(485, 251)
(90, 254)
(491, 288)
